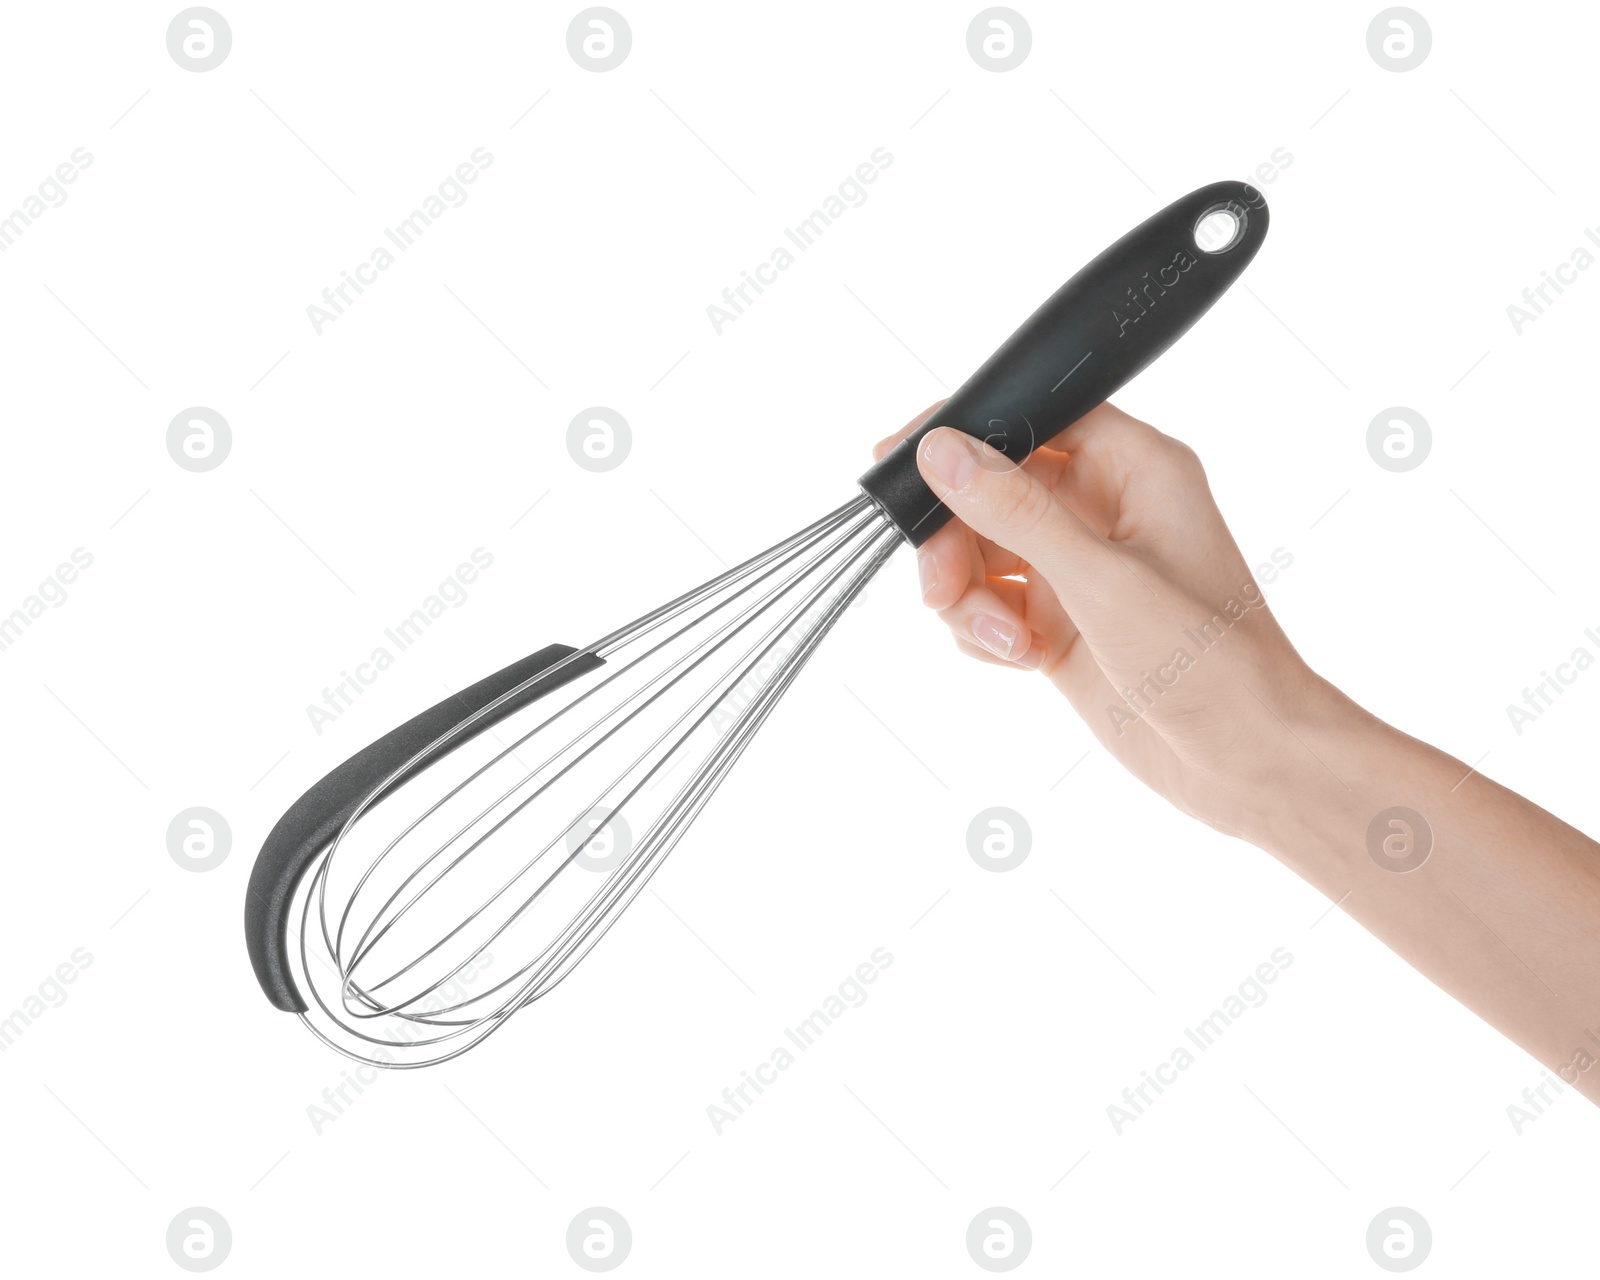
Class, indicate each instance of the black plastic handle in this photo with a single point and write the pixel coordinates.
(1094, 334)
(309, 824)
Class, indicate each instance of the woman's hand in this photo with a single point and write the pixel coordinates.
(1104, 563)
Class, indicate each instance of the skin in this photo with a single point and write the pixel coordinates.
(1099, 560)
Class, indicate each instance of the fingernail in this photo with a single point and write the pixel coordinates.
(1033, 659)
(928, 573)
(999, 638)
(950, 457)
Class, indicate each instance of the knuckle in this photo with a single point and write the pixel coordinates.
(1177, 453)
(1135, 434)
(1185, 456)
(1186, 465)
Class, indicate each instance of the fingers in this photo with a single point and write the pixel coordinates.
(955, 557)
(941, 567)
(946, 565)
(1039, 550)
(1014, 508)
(1101, 425)
(986, 614)
(981, 620)
(975, 650)
(1107, 431)
(1127, 479)
(1105, 422)
(1147, 493)
(888, 442)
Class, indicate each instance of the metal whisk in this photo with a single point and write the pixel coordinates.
(464, 863)
(607, 774)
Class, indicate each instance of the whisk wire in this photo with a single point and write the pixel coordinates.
(705, 650)
(727, 649)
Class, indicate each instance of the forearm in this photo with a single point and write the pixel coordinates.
(1503, 911)
(1133, 596)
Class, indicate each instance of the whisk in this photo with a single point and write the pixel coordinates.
(464, 863)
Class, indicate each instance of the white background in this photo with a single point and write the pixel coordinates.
(368, 461)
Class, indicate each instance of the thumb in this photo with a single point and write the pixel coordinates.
(1006, 504)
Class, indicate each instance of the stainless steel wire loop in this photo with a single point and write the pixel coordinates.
(479, 882)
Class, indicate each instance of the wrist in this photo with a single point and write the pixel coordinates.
(1317, 753)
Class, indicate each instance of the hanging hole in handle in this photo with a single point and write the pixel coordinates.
(1220, 227)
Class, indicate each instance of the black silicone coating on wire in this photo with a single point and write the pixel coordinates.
(309, 824)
